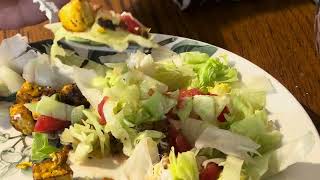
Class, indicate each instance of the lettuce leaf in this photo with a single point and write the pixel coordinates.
(257, 128)
(12, 80)
(142, 159)
(244, 102)
(93, 120)
(231, 169)
(278, 160)
(158, 105)
(209, 70)
(85, 139)
(226, 142)
(184, 166)
(204, 106)
(48, 106)
(41, 149)
(184, 112)
(118, 40)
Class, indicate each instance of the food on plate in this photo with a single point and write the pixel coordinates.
(80, 23)
(55, 167)
(31, 92)
(185, 116)
(70, 94)
(76, 16)
(21, 118)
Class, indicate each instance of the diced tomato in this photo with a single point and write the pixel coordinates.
(189, 93)
(221, 117)
(183, 93)
(182, 144)
(130, 23)
(177, 140)
(102, 119)
(211, 172)
(50, 124)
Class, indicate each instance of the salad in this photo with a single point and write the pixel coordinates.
(186, 116)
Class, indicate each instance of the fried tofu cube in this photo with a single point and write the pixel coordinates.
(55, 168)
(77, 15)
(21, 119)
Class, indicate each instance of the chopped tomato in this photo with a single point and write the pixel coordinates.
(189, 93)
(183, 93)
(50, 124)
(102, 119)
(221, 117)
(211, 172)
(177, 140)
(130, 23)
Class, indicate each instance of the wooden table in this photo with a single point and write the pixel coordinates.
(277, 35)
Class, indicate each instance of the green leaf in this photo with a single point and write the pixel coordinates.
(184, 166)
(41, 149)
(191, 45)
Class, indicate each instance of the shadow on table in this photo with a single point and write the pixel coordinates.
(205, 23)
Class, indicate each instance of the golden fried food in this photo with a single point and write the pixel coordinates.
(55, 168)
(71, 94)
(21, 118)
(77, 15)
(30, 92)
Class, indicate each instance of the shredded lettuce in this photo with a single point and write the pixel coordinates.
(158, 105)
(12, 80)
(155, 135)
(226, 142)
(48, 106)
(86, 138)
(41, 149)
(93, 119)
(83, 79)
(204, 106)
(122, 131)
(184, 112)
(144, 156)
(209, 70)
(244, 102)
(231, 169)
(184, 166)
(278, 160)
(257, 127)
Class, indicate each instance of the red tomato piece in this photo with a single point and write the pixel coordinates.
(221, 117)
(102, 119)
(189, 93)
(50, 124)
(130, 23)
(211, 172)
(177, 140)
(182, 144)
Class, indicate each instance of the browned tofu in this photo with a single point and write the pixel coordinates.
(55, 168)
(21, 118)
(30, 92)
(72, 95)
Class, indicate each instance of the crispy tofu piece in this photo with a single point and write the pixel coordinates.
(21, 119)
(72, 95)
(77, 15)
(55, 168)
(30, 92)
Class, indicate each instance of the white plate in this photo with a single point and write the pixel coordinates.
(293, 119)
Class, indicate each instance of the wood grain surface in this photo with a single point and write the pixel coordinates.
(277, 35)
